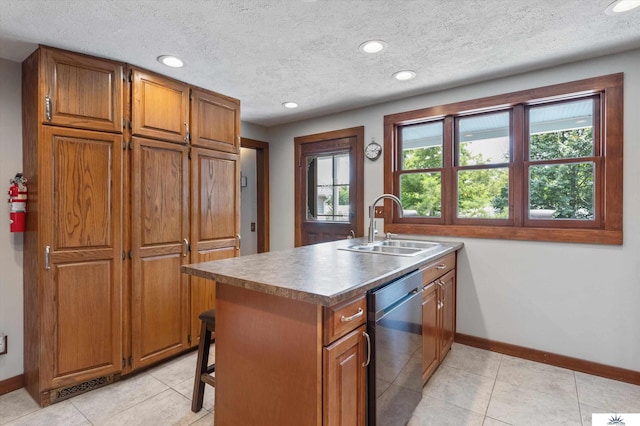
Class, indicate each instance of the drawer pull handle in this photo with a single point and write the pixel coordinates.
(352, 317)
(441, 266)
(366, 336)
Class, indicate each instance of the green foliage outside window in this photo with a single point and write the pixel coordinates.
(565, 189)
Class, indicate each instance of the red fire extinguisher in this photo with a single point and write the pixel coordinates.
(17, 203)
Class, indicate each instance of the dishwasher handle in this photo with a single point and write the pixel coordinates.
(395, 305)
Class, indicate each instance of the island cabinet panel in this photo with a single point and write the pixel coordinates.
(160, 107)
(438, 312)
(273, 369)
(159, 232)
(268, 359)
(215, 121)
(81, 91)
(345, 380)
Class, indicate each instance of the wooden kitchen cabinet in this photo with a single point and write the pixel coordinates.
(344, 380)
(72, 258)
(438, 312)
(273, 367)
(159, 245)
(215, 121)
(430, 331)
(114, 211)
(79, 91)
(215, 221)
(159, 107)
(447, 289)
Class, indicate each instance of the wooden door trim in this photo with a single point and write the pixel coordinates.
(358, 133)
(262, 165)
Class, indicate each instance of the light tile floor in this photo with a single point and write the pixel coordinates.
(471, 387)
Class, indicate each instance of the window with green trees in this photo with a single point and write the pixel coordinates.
(542, 164)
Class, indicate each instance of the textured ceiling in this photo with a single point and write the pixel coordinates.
(265, 52)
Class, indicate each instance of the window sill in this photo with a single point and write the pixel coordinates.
(585, 236)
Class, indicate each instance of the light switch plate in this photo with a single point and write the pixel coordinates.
(3, 344)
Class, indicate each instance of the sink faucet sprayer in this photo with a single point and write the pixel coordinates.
(372, 213)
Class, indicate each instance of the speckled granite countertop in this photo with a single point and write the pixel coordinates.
(319, 273)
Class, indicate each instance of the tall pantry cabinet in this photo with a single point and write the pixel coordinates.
(120, 195)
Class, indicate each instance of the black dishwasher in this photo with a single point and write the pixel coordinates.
(394, 322)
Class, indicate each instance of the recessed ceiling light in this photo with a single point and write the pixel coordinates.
(290, 104)
(621, 6)
(170, 61)
(404, 75)
(372, 46)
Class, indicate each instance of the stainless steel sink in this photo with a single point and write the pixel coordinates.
(394, 247)
(409, 244)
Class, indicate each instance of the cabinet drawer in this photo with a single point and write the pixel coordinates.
(438, 268)
(344, 317)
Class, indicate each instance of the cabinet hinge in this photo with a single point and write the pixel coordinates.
(124, 123)
(124, 255)
(130, 361)
(124, 146)
(130, 254)
(130, 77)
(130, 146)
(189, 154)
(189, 339)
(124, 362)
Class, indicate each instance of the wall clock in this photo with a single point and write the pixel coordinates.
(373, 151)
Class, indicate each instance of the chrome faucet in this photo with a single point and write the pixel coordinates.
(372, 213)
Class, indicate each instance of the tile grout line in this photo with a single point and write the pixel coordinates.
(495, 379)
(575, 382)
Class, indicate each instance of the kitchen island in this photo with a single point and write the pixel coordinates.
(290, 331)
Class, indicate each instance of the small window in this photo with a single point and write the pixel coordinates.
(483, 155)
(421, 165)
(562, 162)
(541, 164)
(328, 187)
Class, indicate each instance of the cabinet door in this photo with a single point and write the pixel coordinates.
(430, 333)
(215, 221)
(344, 380)
(80, 196)
(81, 91)
(215, 121)
(159, 107)
(159, 229)
(447, 314)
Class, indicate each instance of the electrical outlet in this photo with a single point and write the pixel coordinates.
(3, 343)
(379, 212)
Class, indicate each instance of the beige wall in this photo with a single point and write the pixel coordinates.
(10, 244)
(577, 300)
